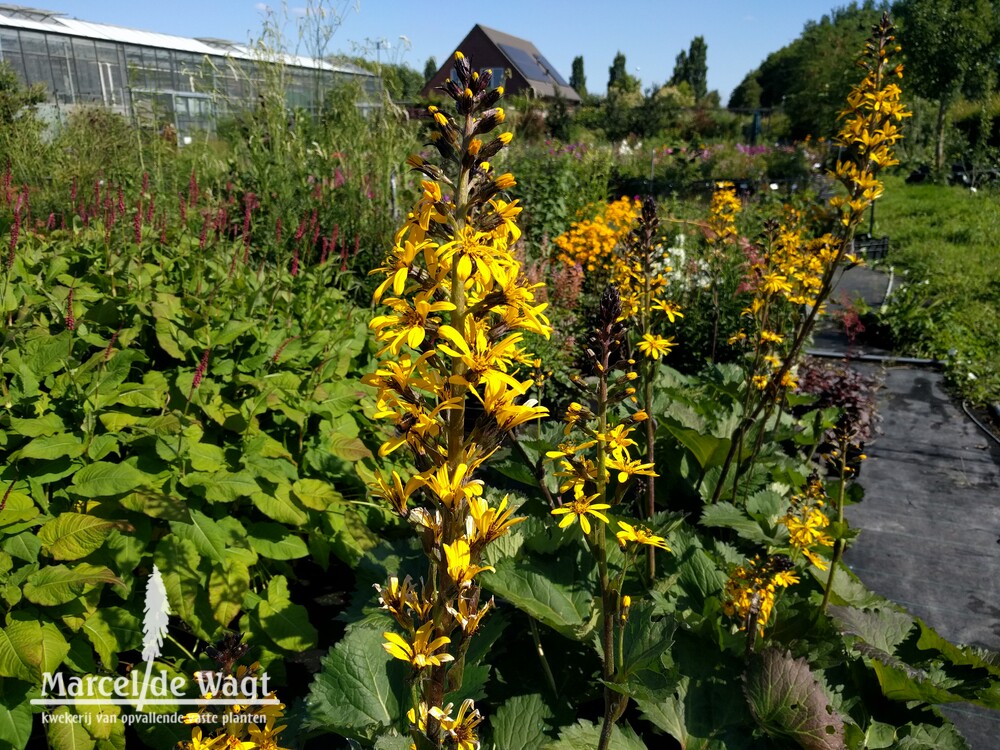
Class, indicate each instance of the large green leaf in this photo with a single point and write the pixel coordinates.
(112, 630)
(707, 450)
(101, 478)
(226, 587)
(315, 493)
(15, 717)
(705, 709)
(71, 536)
(584, 734)
(788, 702)
(358, 688)
(645, 640)
(285, 623)
(28, 648)
(553, 590)
(49, 447)
(58, 584)
(204, 534)
(519, 724)
(728, 516)
(276, 542)
(66, 734)
(280, 506)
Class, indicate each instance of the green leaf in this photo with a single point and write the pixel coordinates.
(222, 486)
(705, 710)
(280, 506)
(58, 584)
(15, 717)
(24, 546)
(178, 561)
(101, 479)
(49, 424)
(71, 536)
(728, 516)
(645, 639)
(226, 587)
(276, 542)
(102, 445)
(584, 734)
(206, 457)
(28, 648)
(552, 590)
(707, 450)
(20, 507)
(788, 702)
(50, 447)
(204, 534)
(881, 627)
(66, 734)
(519, 724)
(316, 494)
(348, 448)
(356, 692)
(287, 624)
(113, 630)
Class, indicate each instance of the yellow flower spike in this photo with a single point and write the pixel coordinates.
(489, 524)
(422, 652)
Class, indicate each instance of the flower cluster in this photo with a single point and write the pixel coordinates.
(459, 306)
(641, 274)
(870, 127)
(807, 522)
(234, 731)
(602, 459)
(722, 213)
(751, 590)
(591, 242)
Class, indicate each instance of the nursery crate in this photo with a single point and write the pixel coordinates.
(873, 248)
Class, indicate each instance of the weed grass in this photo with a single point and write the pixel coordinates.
(945, 238)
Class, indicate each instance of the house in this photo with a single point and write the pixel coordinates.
(171, 80)
(516, 64)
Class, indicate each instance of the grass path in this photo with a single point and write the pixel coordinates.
(950, 238)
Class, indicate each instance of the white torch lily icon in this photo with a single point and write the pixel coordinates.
(154, 626)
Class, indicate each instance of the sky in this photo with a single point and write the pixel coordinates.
(739, 34)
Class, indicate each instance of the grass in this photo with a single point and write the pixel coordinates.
(944, 244)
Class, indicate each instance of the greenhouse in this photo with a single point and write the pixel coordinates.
(159, 80)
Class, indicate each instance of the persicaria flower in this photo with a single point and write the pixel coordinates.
(199, 372)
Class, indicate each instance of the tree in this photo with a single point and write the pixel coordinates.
(944, 43)
(619, 79)
(810, 78)
(691, 67)
(577, 79)
(430, 68)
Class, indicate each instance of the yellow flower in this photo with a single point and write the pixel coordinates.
(654, 346)
(491, 523)
(459, 560)
(639, 535)
(420, 653)
(469, 614)
(579, 509)
(627, 468)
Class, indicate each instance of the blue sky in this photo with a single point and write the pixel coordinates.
(650, 32)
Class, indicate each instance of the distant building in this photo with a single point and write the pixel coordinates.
(526, 70)
(158, 79)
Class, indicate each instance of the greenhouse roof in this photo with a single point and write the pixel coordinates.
(33, 19)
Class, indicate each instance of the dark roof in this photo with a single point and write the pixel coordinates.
(525, 58)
